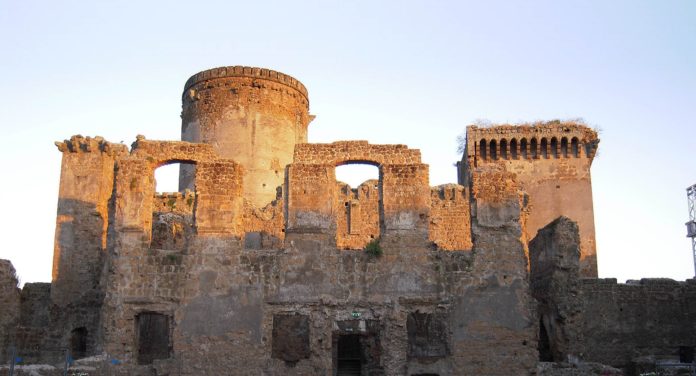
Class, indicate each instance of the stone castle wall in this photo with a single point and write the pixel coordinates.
(9, 301)
(261, 265)
(628, 326)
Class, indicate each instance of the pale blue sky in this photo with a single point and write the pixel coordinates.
(411, 72)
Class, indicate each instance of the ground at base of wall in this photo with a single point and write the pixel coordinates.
(82, 367)
(581, 369)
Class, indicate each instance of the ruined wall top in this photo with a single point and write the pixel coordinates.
(250, 72)
(341, 152)
(161, 152)
(80, 144)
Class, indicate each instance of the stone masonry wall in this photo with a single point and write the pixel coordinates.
(86, 185)
(450, 217)
(264, 227)
(650, 319)
(9, 301)
(600, 320)
(340, 152)
(358, 218)
(221, 298)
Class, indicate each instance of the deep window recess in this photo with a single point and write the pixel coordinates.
(427, 335)
(290, 337)
(153, 337)
(349, 355)
(78, 343)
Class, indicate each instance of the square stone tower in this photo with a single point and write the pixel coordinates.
(552, 163)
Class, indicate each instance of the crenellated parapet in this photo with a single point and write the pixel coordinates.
(544, 140)
(246, 72)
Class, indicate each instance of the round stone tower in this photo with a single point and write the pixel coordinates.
(254, 116)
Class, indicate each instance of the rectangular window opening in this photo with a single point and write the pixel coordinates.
(153, 337)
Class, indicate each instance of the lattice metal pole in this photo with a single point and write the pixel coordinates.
(691, 225)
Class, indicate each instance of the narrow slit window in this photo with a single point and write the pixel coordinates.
(574, 147)
(533, 148)
(544, 148)
(523, 148)
(503, 149)
(482, 149)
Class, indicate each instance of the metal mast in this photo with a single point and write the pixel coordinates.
(691, 225)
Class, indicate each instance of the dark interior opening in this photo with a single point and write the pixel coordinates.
(686, 354)
(290, 338)
(78, 343)
(428, 336)
(348, 357)
(153, 337)
(545, 354)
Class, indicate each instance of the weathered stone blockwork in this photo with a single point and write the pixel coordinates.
(254, 116)
(551, 162)
(450, 223)
(9, 301)
(599, 320)
(262, 267)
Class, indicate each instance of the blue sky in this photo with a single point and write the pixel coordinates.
(410, 72)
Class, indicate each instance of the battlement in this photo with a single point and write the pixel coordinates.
(542, 140)
(80, 144)
(250, 72)
(341, 152)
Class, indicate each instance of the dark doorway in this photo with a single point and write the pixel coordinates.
(686, 354)
(78, 343)
(349, 355)
(153, 337)
(545, 354)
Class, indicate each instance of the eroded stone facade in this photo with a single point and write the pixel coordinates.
(260, 268)
(551, 161)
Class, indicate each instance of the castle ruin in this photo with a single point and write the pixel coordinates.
(258, 265)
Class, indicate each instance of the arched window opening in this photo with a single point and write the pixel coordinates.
(564, 147)
(544, 148)
(167, 177)
(589, 148)
(533, 148)
(494, 150)
(482, 149)
(78, 343)
(503, 149)
(358, 200)
(355, 174)
(513, 148)
(574, 147)
(554, 147)
(172, 211)
(523, 148)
